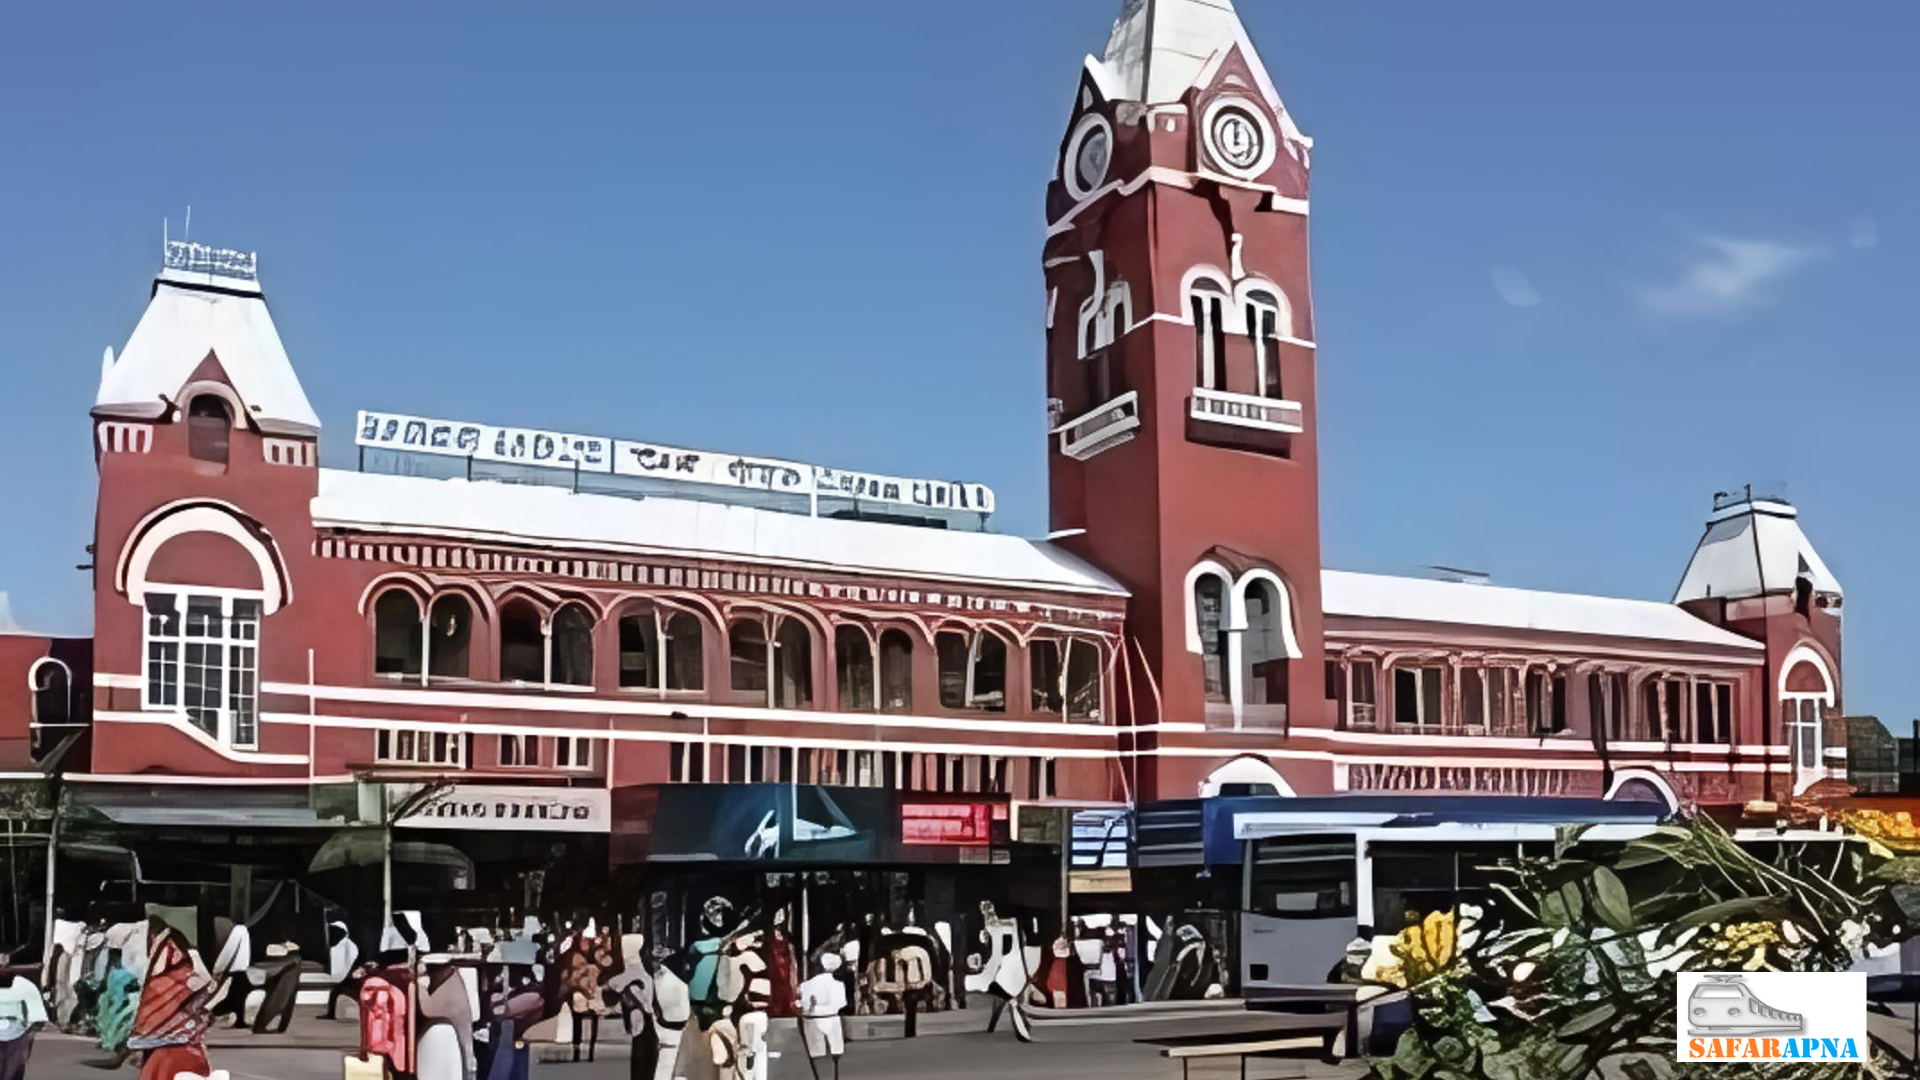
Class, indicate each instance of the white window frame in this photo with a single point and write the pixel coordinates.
(573, 753)
(1420, 672)
(1214, 305)
(236, 717)
(34, 691)
(526, 754)
(388, 746)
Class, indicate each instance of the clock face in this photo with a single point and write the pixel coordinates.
(1090, 164)
(1238, 138)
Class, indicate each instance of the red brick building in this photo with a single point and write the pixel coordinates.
(587, 627)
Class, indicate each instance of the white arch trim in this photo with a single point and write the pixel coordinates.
(175, 520)
(207, 387)
(1807, 653)
(1244, 770)
(33, 685)
(1205, 568)
(1652, 779)
(1238, 607)
(1212, 275)
(1243, 297)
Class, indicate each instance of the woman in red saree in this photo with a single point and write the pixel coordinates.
(172, 1021)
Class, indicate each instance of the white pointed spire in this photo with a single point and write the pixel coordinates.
(106, 365)
(1161, 48)
(207, 300)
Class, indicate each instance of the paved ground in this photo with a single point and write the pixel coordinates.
(313, 1050)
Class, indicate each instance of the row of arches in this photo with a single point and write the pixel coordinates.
(767, 656)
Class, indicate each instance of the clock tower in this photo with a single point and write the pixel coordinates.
(1180, 373)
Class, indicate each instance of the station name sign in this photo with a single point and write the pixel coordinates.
(625, 457)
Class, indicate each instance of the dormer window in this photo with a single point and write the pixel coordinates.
(209, 428)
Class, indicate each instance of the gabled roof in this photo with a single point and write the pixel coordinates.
(1160, 48)
(1752, 544)
(1378, 596)
(189, 316)
(559, 518)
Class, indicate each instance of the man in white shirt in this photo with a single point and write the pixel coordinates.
(822, 998)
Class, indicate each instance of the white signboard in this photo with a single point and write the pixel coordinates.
(499, 808)
(623, 457)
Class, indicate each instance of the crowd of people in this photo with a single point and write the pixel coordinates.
(476, 1008)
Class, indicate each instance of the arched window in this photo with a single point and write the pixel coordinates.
(396, 633)
(747, 653)
(523, 644)
(1210, 616)
(792, 664)
(896, 672)
(853, 664)
(1265, 324)
(209, 428)
(450, 638)
(973, 670)
(573, 646)
(52, 685)
(1083, 681)
(1065, 678)
(1263, 647)
(1207, 304)
(640, 655)
(686, 652)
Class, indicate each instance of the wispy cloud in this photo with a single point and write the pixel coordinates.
(1725, 276)
(1513, 286)
(1863, 232)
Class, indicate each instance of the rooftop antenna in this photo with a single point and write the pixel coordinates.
(187, 233)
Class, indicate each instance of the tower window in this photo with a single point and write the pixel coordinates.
(1208, 306)
(1210, 613)
(209, 428)
(1265, 323)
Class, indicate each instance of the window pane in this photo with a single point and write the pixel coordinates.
(639, 651)
(522, 645)
(163, 615)
(793, 665)
(853, 661)
(1406, 696)
(396, 633)
(1044, 673)
(1209, 609)
(246, 620)
(747, 648)
(209, 428)
(573, 647)
(205, 667)
(685, 652)
(1083, 681)
(1263, 648)
(989, 681)
(204, 617)
(950, 649)
(450, 638)
(242, 695)
(896, 672)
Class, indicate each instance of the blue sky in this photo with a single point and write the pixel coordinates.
(1576, 268)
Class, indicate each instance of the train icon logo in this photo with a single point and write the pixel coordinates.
(1770, 1016)
(1725, 1005)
